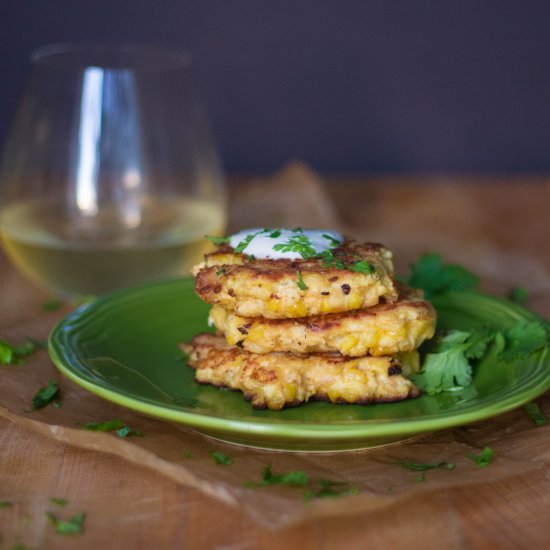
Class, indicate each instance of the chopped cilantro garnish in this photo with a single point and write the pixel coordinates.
(52, 305)
(221, 458)
(45, 395)
(56, 404)
(518, 295)
(58, 501)
(328, 489)
(419, 478)
(300, 281)
(244, 243)
(126, 431)
(5, 504)
(297, 243)
(275, 234)
(187, 454)
(72, 526)
(535, 414)
(220, 272)
(484, 458)
(330, 260)
(363, 266)
(332, 241)
(419, 467)
(11, 354)
(295, 478)
(107, 426)
(218, 240)
(434, 277)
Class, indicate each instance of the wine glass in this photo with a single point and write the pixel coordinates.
(109, 176)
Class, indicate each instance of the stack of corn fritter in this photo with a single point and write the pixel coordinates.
(333, 326)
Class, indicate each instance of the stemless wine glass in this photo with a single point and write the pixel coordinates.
(109, 176)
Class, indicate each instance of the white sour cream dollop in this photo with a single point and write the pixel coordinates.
(261, 242)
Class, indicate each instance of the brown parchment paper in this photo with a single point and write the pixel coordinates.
(520, 447)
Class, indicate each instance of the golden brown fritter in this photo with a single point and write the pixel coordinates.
(272, 288)
(383, 329)
(278, 380)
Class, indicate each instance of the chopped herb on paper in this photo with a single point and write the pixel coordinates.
(535, 414)
(295, 478)
(326, 488)
(434, 277)
(72, 526)
(45, 395)
(221, 458)
(187, 454)
(484, 458)
(419, 478)
(107, 426)
(15, 354)
(126, 431)
(419, 467)
(5, 504)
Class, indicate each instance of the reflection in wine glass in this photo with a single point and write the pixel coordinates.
(109, 176)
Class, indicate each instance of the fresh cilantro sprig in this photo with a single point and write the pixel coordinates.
(448, 365)
(434, 277)
(362, 266)
(115, 425)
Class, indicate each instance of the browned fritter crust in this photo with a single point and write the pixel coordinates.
(277, 380)
(269, 288)
(383, 329)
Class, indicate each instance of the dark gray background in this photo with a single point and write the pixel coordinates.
(348, 86)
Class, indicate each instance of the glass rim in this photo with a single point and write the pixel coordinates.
(117, 55)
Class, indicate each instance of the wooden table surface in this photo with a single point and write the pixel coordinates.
(142, 509)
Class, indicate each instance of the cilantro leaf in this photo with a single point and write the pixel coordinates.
(221, 458)
(484, 458)
(72, 526)
(44, 395)
(535, 414)
(434, 277)
(218, 240)
(419, 478)
(332, 241)
(419, 467)
(187, 454)
(274, 234)
(107, 426)
(5, 504)
(6, 353)
(300, 281)
(522, 339)
(296, 478)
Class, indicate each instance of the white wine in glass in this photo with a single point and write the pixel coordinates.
(110, 176)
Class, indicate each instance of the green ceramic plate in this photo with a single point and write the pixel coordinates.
(124, 348)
